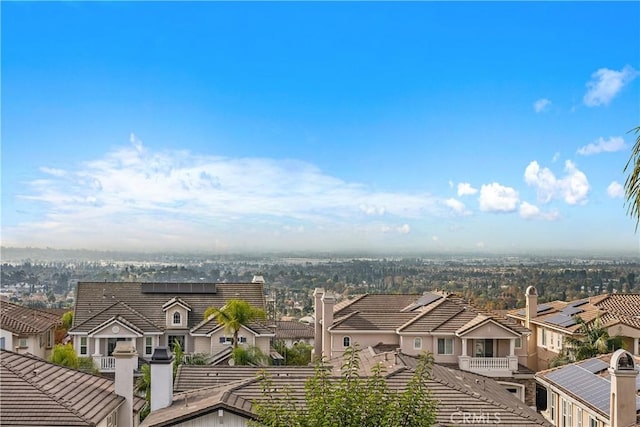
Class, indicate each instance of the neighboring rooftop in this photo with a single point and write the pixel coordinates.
(39, 393)
(23, 320)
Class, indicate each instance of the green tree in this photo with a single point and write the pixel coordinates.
(632, 182)
(234, 315)
(593, 340)
(65, 355)
(298, 355)
(143, 388)
(251, 355)
(67, 320)
(351, 400)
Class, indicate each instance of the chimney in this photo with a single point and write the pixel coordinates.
(531, 311)
(317, 323)
(126, 362)
(161, 378)
(328, 301)
(623, 372)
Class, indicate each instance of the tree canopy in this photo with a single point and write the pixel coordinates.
(234, 315)
(351, 400)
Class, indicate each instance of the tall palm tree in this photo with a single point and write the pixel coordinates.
(632, 183)
(234, 315)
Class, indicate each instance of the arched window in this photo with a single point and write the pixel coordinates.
(177, 318)
(417, 343)
(346, 341)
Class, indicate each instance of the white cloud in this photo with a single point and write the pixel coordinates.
(573, 188)
(465, 189)
(615, 190)
(134, 195)
(435, 238)
(541, 105)
(529, 211)
(601, 145)
(497, 198)
(605, 85)
(555, 157)
(402, 229)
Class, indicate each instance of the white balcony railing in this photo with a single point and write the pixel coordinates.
(105, 363)
(490, 366)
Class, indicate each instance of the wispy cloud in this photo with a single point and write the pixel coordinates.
(529, 211)
(615, 190)
(465, 189)
(497, 198)
(457, 207)
(541, 105)
(605, 84)
(137, 195)
(573, 187)
(601, 145)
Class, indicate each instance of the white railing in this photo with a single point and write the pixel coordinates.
(105, 363)
(488, 363)
(490, 366)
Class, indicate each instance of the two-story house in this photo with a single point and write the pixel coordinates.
(456, 333)
(550, 323)
(27, 330)
(158, 314)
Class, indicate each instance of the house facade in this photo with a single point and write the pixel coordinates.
(445, 325)
(149, 315)
(27, 330)
(550, 323)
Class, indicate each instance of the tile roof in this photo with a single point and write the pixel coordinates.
(367, 321)
(376, 303)
(236, 389)
(98, 301)
(289, 329)
(24, 320)
(39, 393)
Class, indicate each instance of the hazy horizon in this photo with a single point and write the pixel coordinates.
(235, 127)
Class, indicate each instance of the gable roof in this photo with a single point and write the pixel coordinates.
(24, 320)
(235, 389)
(142, 303)
(292, 329)
(39, 393)
(610, 308)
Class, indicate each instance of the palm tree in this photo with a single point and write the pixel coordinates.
(234, 315)
(594, 340)
(632, 183)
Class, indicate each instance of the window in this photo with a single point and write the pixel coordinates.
(445, 345)
(225, 340)
(518, 342)
(417, 343)
(22, 343)
(50, 339)
(566, 414)
(578, 417)
(2, 343)
(552, 406)
(242, 340)
(83, 346)
(177, 319)
(346, 341)
(593, 422)
(148, 346)
(558, 340)
(544, 337)
(112, 419)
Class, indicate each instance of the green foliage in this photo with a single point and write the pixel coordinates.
(234, 315)
(64, 355)
(594, 340)
(298, 355)
(178, 356)
(143, 388)
(249, 355)
(87, 364)
(351, 401)
(632, 182)
(67, 320)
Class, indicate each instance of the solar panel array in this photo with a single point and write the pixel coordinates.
(179, 288)
(561, 319)
(594, 365)
(425, 299)
(589, 387)
(541, 308)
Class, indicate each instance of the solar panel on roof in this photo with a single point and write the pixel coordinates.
(594, 365)
(521, 312)
(578, 303)
(425, 299)
(543, 307)
(571, 310)
(561, 319)
(179, 288)
(585, 384)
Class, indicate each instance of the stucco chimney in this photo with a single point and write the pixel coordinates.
(531, 311)
(328, 301)
(317, 323)
(126, 359)
(623, 372)
(161, 378)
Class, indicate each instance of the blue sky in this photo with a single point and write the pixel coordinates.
(227, 127)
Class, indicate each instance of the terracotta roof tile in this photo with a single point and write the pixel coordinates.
(24, 320)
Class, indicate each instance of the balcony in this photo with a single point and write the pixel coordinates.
(489, 366)
(105, 363)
